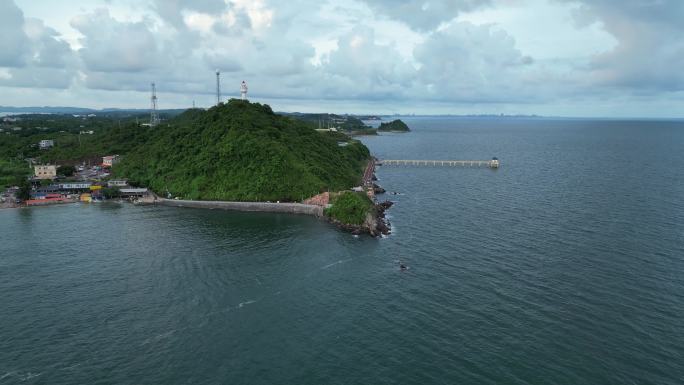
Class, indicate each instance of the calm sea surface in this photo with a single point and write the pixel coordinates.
(565, 266)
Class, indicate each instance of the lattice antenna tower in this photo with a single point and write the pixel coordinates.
(218, 87)
(154, 115)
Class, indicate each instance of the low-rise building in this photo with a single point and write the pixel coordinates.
(46, 144)
(77, 186)
(46, 171)
(133, 192)
(117, 183)
(109, 161)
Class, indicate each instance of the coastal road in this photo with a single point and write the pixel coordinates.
(368, 173)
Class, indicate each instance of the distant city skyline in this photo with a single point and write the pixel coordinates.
(575, 58)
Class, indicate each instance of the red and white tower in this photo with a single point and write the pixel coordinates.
(243, 90)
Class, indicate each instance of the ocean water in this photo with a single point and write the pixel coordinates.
(565, 266)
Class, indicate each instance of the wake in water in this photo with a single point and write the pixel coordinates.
(341, 261)
(158, 337)
(19, 376)
(251, 301)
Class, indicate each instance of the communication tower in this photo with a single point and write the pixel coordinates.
(154, 116)
(243, 90)
(218, 87)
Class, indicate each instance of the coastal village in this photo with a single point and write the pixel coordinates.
(84, 184)
(94, 184)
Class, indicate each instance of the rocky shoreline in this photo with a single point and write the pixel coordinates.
(375, 225)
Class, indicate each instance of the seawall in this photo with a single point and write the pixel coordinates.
(288, 208)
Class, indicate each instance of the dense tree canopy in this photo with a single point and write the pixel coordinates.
(395, 125)
(242, 151)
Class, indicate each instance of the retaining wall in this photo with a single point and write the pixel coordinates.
(289, 208)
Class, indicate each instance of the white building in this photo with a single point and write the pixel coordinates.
(109, 161)
(133, 192)
(117, 183)
(47, 171)
(46, 144)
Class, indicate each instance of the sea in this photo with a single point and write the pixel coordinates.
(563, 266)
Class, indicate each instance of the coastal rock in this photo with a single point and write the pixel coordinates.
(374, 225)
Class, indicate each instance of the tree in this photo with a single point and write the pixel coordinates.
(66, 170)
(111, 192)
(24, 189)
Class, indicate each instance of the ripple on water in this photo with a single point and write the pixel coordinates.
(568, 271)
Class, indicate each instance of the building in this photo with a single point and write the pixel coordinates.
(47, 171)
(74, 187)
(109, 161)
(133, 192)
(117, 183)
(46, 144)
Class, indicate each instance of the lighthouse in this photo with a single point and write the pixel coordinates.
(243, 90)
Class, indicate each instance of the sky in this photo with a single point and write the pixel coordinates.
(578, 58)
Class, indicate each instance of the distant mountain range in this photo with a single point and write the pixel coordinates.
(81, 110)
(173, 112)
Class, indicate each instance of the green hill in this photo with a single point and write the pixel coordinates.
(395, 125)
(242, 151)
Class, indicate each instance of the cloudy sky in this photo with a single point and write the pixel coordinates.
(552, 57)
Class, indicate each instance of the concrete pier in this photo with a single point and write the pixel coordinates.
(289, 208)
(494, 163)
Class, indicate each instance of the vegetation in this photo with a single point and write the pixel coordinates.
(77, 140)
(24, 189)
(242, 151)
(66, 171)
(12, 172)
(350, 207)
(395, 125)
(111, 192)
(345, 123)
(236, 151)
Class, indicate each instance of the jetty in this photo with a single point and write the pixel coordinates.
(493, 163)
(267, 207)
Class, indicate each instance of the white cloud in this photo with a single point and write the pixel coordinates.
(649, 54)
(424, 14)
(33, 55)
(436, 54)
(109, 45)
(14, 44)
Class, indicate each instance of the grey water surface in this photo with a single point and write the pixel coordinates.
(565, 266)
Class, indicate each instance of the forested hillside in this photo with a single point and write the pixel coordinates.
(242, 151)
